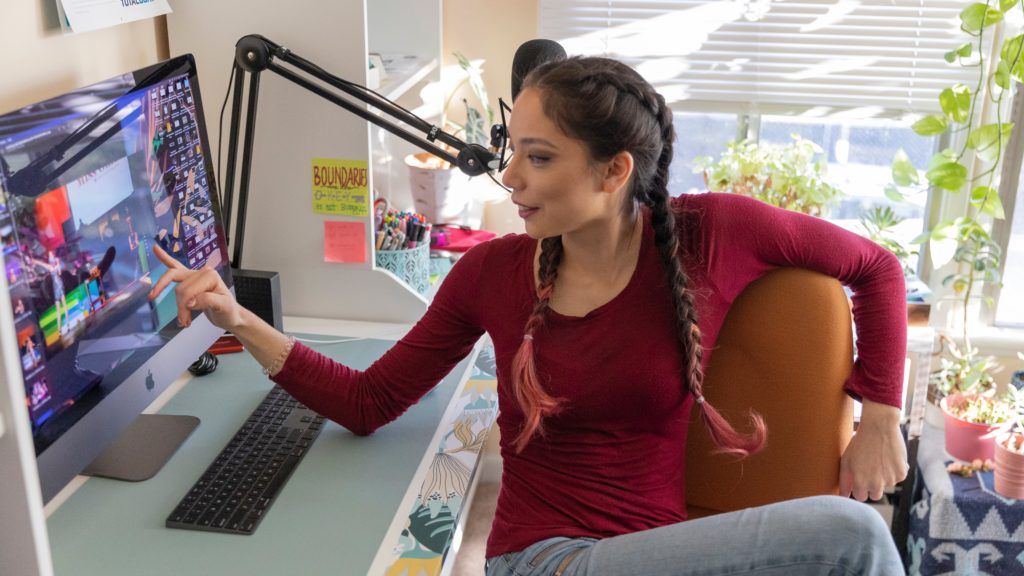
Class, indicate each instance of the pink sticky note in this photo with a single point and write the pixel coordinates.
(344, 242)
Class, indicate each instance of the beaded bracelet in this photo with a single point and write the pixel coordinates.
(276, 366)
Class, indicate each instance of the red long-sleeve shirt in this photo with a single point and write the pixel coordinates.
(612, 461)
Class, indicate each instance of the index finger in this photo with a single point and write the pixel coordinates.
(165, 258)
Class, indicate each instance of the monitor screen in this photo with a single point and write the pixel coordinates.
(89, 182)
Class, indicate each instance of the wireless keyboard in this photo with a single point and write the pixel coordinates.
(237, 489)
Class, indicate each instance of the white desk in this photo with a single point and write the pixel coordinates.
(343, 511)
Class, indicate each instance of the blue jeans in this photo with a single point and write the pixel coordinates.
(818, 535)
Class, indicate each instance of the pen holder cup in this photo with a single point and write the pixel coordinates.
(412, 265)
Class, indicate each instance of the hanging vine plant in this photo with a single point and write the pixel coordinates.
(982, 137)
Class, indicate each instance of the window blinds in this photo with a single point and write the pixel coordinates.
(851, 58)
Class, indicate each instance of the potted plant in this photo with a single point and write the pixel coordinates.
(1009, 449)
(964, 241)
(790, 176)
(962, 372)
(972, 422)
(434, 192)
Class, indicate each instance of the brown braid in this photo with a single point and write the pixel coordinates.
(535, 402)
(724, 436)
(665, 237)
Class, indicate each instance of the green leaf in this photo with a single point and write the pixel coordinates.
(937, 159)
(984, 140)
(903, 171)
(979, 194)
(893, 193)
(964, 51)
(942, 251)
(474, 127)
(993, 206)
(922, 237)
(956, 102)
(474, 75)
(931, 125)
(948, 176)
(1012, 52)
(943, 229)
(1005, 5)
(1002, 75)
(977, 16)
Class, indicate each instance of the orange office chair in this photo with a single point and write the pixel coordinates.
(785, 350)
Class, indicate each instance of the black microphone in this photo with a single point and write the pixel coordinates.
(530, 55)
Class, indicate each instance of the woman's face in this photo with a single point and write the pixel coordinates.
(556, 186)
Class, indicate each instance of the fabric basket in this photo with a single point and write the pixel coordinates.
(412, 265)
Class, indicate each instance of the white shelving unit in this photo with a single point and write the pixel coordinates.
(294, 126)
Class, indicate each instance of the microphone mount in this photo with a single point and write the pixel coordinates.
(255, 54)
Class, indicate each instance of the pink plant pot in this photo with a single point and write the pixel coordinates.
(1009, 472)
(968, 441)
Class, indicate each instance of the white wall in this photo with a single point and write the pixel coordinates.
(38, 61)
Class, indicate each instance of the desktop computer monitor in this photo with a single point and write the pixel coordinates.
(90, 181)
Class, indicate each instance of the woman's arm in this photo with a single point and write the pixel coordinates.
(876, 457)
(204, 290)
(362, 401)
(748, 238)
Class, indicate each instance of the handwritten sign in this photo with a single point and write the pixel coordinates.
(345, 242)
(340, 187)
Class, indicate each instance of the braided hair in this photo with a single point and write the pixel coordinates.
(610, 108)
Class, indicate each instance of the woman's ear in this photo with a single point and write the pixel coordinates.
(617, 171)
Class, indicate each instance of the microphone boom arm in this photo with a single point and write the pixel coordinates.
(255, 54)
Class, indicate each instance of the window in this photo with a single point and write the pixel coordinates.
(845, 75)
(859, 154)
(1010, 307)
(697, 135)
(869, 58)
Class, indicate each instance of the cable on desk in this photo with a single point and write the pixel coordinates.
(206, 364)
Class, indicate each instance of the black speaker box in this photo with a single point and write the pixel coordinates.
(260, 292)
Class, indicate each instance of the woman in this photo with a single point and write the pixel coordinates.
(600, 317)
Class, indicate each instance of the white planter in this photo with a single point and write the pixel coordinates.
(440, 194)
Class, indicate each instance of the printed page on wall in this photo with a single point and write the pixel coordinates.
(89, 15)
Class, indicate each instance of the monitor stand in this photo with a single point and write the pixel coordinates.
(142, 449)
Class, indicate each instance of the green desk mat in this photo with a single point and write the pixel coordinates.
(330, 517)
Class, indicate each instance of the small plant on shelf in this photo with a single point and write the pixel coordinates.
(980, 409)
(963, 372)
(790, 176)
(1009, 453)
(475, 128)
